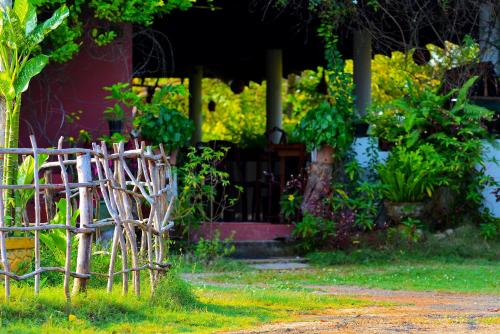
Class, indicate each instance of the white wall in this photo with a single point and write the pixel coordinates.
(491, 154)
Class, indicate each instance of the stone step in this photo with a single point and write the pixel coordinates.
(264, 249)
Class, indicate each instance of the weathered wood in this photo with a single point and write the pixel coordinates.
(37, 213)
(42, 270)
(83, 168)
(49, 186)
(130, 232)
(120, 188)
(48, 194)
(67, 262)
(117, 236)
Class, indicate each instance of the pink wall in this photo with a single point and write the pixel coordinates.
(73, 86)
(245, 231)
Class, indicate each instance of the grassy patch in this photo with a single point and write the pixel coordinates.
(478, 276)
(176, 308)
(494, 320)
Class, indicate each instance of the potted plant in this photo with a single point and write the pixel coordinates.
(453, 126)
(409, 179)
(116, 114)
(328, 130)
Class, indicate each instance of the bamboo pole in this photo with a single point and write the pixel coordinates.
(118, 234)
(67, 262)
(83, 168)
(37, 213)
(130, 232)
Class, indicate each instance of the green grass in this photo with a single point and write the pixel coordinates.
(210, 309)
(482, 277)
(461, 261)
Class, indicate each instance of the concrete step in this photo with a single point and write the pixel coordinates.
(264, 249)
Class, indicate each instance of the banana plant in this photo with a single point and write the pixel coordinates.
(20, 36)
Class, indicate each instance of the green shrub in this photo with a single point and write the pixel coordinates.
(173, 292)
(209, 250)
(411, 176)
(313, 232)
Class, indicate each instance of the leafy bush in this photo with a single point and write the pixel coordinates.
(124, 97)
(210, 250)
(313, 232)
(161, 124)
(450, 123)
(205, 189)
(411, 176)
(464, 242)
(327, 124)
(55, 240)
(359, 194)
(174, 293)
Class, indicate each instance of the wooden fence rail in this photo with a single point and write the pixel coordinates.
(137, 189)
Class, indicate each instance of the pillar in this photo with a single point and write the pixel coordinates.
(195, 102)
(362, 73)
(274, 74)
(489, 35)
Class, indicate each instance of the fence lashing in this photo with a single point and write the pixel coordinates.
(120, 187)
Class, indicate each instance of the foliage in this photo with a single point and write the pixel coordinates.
(174, 293)
(410, 231)
(313, 232)
(210, 250)
(114, 138)
(55, 240)
(124, 97)
(325, 125)
(359, 195)
(20, 35)
(205, 190)
(103, 18)
(411, 176)
(160, 124)
(425, 116)
(331, 123)
(489, 227)
(290, 205)
(25, 175)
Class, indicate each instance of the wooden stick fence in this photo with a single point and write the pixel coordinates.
(139, 199)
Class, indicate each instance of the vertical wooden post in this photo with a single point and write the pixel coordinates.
(37, 213)
(50, 207)
(67, 191)
(83, 168)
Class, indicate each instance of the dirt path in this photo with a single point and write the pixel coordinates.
(414, 312)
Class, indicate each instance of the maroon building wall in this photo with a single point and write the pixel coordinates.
(75, 86)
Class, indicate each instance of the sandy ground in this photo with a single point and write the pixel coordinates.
(412, 312)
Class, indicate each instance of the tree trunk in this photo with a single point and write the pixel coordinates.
(318, 184)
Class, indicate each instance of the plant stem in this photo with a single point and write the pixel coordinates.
(11, 160)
